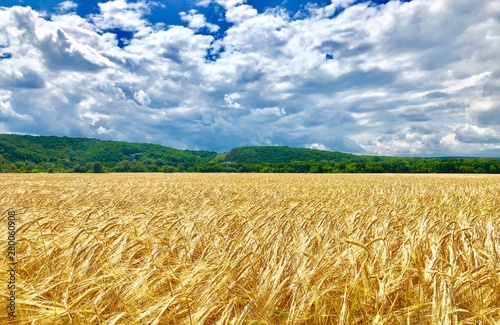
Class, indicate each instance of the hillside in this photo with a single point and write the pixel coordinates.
(23, 153)
(51, 153)
(280, 154)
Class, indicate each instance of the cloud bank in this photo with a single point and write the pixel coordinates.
(407, 78)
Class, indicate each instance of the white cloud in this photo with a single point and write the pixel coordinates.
(5, 106)
(239, 14)
(329, 10)
(123, 15)
(227, 4)
(317, 146)
(66, 6)
(268, 112)
(6, 110)
(231, 100)
(142, 97)
(473, 134)
(197, 21)
(101, 130)
(62, 52)
(204, 3)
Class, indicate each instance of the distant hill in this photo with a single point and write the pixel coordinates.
(23, 153)
(65, 153)
(280, 154)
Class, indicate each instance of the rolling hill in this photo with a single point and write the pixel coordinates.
(24, 153)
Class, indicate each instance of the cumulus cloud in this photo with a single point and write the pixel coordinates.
(142, 97)
(231, 100)
(197, 21)
(406, 78)
(317, 146)
(474, 134)
(5, 106)
(120, 14)
(239, 14)
(224, 3)
(61, 52)
(66, 6)
(6, 111)
(268, 112)
(488, 116)
(21, 78)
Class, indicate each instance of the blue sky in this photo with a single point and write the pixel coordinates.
(413, 78)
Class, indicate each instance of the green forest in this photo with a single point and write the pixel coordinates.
(51, 154)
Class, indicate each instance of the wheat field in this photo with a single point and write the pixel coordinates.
(253, 248)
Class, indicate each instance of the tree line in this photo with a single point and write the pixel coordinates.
(29, 154)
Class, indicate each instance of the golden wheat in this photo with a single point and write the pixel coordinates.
(254, 249)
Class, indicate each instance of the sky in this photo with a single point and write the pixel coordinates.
(397, 78)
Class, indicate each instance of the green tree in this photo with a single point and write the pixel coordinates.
(123, 166)
(79, 169)
(168, 169)
(137, 166)
(29, 166)
(98, 167)
(373, 167)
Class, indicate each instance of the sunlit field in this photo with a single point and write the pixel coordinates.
(253, 248)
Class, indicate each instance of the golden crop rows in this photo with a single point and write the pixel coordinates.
(253, 248)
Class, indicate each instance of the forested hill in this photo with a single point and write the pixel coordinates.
(60, 154)
(266, 154)
(22, 153)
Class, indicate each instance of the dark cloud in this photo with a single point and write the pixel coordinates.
(448, 108)
(477, 138)
(344, 49)
(489, 117)
(491, 86)
(415, 116)
(490, 89)
(488, 152)
(23, 19)
(61, 53)
(372, 78)
(246, 74)
(423, 129)
(24, 78)
(436, 94)
(375, 105)
(331, 46)
(353, 80)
